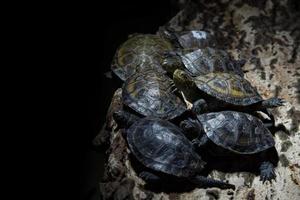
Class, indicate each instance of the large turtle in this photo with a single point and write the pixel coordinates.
(138, 52)
(202, 61)
(219, 91)
(236, 137)
(164, 150)
(149, 93)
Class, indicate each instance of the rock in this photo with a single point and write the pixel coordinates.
(266, 34)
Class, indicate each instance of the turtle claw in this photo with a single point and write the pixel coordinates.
(280, 102)
(195, 143)
(273, 102)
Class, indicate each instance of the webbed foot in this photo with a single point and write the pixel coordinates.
(267, 172)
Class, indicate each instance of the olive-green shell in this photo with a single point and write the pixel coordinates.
(138, 52)
(228, 87)
(150, 94)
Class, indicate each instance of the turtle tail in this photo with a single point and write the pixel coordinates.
(202, 181)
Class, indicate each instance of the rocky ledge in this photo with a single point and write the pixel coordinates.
(267, 35)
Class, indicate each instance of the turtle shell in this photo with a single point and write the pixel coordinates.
(160, 145)
(150, 94)
(238, 132)
(207, 60)
(139, 51)
(228, 87)
(195, 39)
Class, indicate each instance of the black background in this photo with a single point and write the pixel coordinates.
(106, 27)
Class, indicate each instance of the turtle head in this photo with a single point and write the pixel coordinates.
(182, 80)
(192, 128)
(169, 34)
(171, 62)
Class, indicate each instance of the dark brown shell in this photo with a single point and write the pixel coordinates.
(160, 145)
(227, 87)
(195, 39)
(150, 94)
(238, 132)
(207, 60)
(139, 52)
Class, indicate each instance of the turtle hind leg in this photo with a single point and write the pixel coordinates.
(267, 172)
(150, 177)
(273, 102)
(202, 181)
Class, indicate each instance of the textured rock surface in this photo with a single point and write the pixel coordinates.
(267, 35)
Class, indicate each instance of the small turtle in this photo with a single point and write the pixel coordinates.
(164, 150)
(138, 52)
(219, 91)
(149, 93)
(235, 136)
(202, 61)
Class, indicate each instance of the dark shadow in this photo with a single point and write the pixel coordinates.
(106, 26)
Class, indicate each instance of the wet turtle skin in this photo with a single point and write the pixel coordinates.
(151, 94)
(138, 52)
(207, 60)
(161, 146)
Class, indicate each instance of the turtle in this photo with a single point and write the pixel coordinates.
(138, 52)
(236, 137)
(149, 93)
(202, 61)
(217, 91)
(164, 151)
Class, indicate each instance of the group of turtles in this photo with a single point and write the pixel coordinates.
(185, 102)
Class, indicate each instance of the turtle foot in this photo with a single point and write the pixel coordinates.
(273, 102)
(267, 172)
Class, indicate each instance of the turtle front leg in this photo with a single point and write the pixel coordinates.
(200, 106)
(273, 102)
(267, 171)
